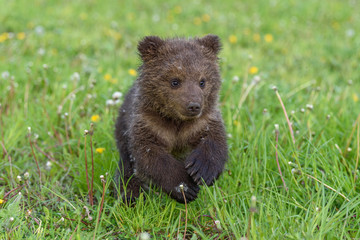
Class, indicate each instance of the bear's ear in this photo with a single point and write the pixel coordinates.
(149, 46)
(211, 42)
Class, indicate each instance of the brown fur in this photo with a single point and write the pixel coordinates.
(168, 133)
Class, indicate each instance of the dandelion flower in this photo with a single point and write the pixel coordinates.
(253, 70)
(2, 201)
(100, 150)
(205, 17)
(4, 37)
(107, 77)
(132, 72)
(355, 97)
(268, 38)
(95, 118)
(232, 39)
(21, 36)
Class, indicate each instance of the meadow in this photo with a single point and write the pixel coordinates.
(66, 65)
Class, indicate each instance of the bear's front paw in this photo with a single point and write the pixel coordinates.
(200, 167)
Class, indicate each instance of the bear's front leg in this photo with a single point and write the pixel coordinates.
(207, 160)
(154, 163)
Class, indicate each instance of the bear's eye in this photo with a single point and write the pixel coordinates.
(175, 83)
(202, 83)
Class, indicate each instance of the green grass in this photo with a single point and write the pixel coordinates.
(313, 54)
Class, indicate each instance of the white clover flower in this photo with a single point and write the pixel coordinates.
(5, 75)
(309, 106)
(350, 32)
(218, 224)
(117, 95)
(41, 51)
(39, 30)
(256, 79)
(144, 236)
(48, 165)
(75, 77)
(110, 102)
(236, 78)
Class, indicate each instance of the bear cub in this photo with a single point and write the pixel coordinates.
(169, 130)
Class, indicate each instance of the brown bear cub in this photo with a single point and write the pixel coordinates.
(170, 131)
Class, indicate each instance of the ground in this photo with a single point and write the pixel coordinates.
(62, 61)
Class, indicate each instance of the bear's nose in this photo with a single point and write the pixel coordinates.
(194, 108)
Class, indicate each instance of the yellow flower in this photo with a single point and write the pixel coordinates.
(95, 118)
(268, 38)
(20, 35)
(253, 70)
(256, 37)
(197, 21)
(1, 201)
(4, 37)
(100, 150)
(177, 9)
(205, 17)
(232, 39)
(237, 123)
(107, 77)
(355, 97)
(132, 72)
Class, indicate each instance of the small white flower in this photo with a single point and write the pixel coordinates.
(144, 236)
(236, 78)
(29, 129)
(218, 225)
(293, 112)
(350, 33)
(75, 77)
(110, 102)
(86, 132)
(26, 175)
(101, 177)
(349, 149)
(19, 178)
(48, 165)
(302, 110)
(117, 95)
(256, 79)
(309, 106)
(274, 88)
(41, 51)
(5, 75)
(11, 219)
(45, 66)
(229, 135)
(39, 30)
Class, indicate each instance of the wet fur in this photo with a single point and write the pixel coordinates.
(157, 139)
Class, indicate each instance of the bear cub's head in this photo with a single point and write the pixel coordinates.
(179, 78)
